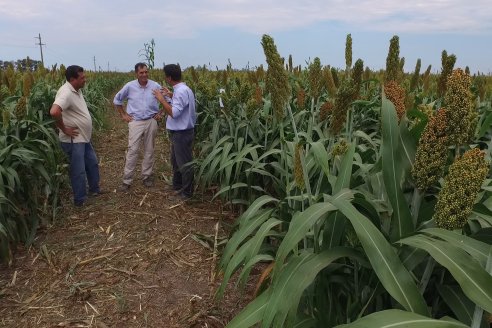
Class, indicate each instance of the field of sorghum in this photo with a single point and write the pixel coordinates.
(32, 165)
(368, 193)
(365, 195)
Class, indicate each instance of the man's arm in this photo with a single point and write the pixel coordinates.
(118, 100)
(160, 97)
(56, 113)
(124, 115)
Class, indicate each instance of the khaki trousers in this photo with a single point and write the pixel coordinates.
(140, 131)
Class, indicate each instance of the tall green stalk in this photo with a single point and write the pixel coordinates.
(478, 312)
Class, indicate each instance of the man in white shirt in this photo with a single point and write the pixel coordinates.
(74, 122)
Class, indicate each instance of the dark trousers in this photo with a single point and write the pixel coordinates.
(181, 157)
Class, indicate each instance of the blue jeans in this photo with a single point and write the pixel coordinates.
(83, 165)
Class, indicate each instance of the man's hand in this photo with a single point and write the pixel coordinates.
(70, 131)
(158, 116)
(165, 91)
(56, 113)
(158, 94)
(127, 118)
(124, 115)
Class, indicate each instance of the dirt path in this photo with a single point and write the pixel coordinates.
(131, 259)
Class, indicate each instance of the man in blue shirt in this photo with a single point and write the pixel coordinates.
(180, 123)
(142, 113)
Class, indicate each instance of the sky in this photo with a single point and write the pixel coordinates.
(109, 34)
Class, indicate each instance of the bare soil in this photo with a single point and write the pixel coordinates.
(134, 259)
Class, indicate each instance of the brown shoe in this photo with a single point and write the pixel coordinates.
(98, 193)
(124, 187)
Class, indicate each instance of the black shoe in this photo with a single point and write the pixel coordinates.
(84, 203)
(179, 197)
(148, 182)
(169, 188)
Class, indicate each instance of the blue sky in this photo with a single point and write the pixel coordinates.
(212, 32)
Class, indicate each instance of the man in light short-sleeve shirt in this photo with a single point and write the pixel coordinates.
(74, 122)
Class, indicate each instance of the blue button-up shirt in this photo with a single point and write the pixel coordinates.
(141, 104)
(183, 106)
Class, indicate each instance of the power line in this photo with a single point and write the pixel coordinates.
(55, 57)
(40, 44)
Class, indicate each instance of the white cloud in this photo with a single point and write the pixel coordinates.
(114, 31)
(15, 10)
(382, 15)
(91, 19)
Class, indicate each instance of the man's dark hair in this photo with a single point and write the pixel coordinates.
(173, 71)
(139, 65)
(73, 71)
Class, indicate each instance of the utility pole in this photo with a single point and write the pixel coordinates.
(95, 69)
(40, 44)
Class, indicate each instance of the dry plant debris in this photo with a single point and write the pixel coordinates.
(131, 259)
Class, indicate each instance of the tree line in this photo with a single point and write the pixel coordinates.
(26, 64)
